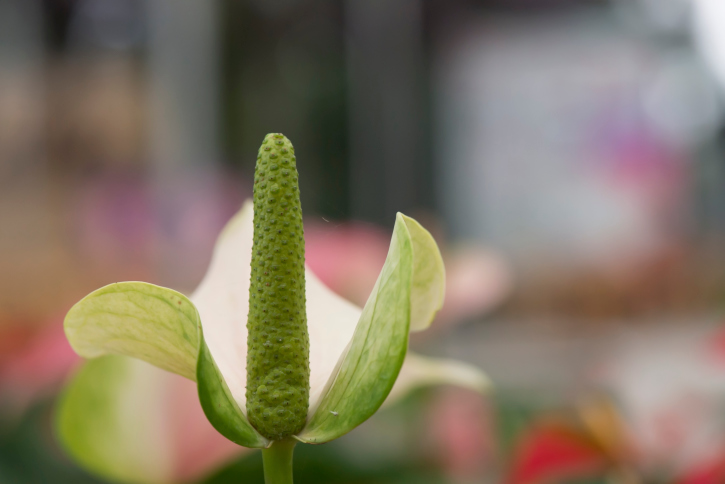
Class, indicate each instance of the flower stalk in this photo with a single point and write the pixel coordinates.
(277, 462)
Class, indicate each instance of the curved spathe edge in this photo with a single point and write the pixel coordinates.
(137, 319)
(220, 407)
(413, 273)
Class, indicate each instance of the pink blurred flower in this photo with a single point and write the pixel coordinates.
(347, 257)
(35, 366)
(461, 429)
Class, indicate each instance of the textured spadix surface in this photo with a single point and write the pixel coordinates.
(355, 355)
(278, 346)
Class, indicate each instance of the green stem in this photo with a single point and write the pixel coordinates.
(277, 461)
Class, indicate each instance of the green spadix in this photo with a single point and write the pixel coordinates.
(278, 347)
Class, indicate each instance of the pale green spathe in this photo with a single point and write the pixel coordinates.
(428, 276)
(219, 405)
(375, 355)
(112, 432)
(148, 322)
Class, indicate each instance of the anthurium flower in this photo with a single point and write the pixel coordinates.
(355, 355)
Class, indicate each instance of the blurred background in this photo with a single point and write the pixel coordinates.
(567, 155)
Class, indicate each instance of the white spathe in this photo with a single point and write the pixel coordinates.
(222, 300)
